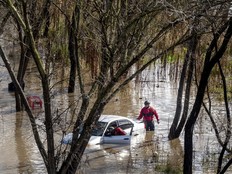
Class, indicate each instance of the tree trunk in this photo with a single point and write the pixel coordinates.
(73, 48)
(25, 52)
(173, 133)
(27, 108)
(228, 128)
(188, 138)
(182, 122)
(49, 126)
(208, 66)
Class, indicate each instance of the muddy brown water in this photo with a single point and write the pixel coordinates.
(151, 153)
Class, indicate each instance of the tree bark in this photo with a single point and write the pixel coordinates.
(73, 48)
(228, 127)
(177, 125)
(208, 66)
(188, 86)
(22, 67)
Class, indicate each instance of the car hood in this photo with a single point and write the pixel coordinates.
(95, 140)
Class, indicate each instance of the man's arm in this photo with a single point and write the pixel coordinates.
(140, 115)
(156, 115)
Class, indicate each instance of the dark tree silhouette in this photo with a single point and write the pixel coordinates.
(213, 55)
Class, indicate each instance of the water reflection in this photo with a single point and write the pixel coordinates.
(22, 155)
(149, 153)
(137, 158)
(19, 153)
(175, 160)
(108, 158)
(118, 158)
(21, 148)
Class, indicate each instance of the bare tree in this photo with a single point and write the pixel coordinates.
(188, 68)
(213, 55)
(220, 17)
(200, 26)
(73, 46)
(219, 128)
(120, 32)
(38, 19)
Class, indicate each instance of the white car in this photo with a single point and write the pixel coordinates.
(101, 134)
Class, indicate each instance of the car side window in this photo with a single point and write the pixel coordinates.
(114, 124)
(109, 130)
(125, 124)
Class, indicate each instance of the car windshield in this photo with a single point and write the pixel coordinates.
(99, 129)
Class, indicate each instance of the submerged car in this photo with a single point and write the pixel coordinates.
(101, 133)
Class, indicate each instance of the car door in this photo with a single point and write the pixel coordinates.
(126, 125)
(115, 139)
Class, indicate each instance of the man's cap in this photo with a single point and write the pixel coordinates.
(146, 103)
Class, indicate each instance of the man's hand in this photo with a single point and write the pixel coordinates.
(158, 121)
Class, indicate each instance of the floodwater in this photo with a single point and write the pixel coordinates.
(151, 153)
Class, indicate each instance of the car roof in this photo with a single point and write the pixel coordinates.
(108, 118)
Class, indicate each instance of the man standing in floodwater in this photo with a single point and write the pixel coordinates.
(148, 113)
